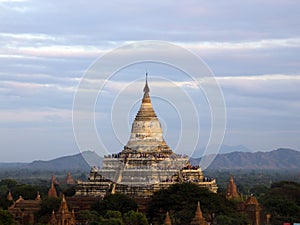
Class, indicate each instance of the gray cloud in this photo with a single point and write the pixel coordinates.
(46, 46)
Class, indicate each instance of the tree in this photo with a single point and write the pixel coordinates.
(6, 218)
(283, 202)
(111, 221)
(259, 190)
(88, 216)
(236, 218)
(48, 205)
(9, 183)
(113, 214)
(68, 190)
(111, 218)
(135, 218)
(25, 190)
(180, 200)
(115, 202)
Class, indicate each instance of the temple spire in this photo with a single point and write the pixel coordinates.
(52, 192)
(146, 133)
(146, 88)
(232, 192)
(167, 220)
(198, 219)
(146, 97)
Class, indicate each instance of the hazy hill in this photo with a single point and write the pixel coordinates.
(224, 149)
(73, 162)
(274, 160)
(280, 159)
(236, 148)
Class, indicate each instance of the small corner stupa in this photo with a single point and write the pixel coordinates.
(232, 192)
(167, 220)
(63, 215)
(52, 191)
(198, 219)
(146, 163)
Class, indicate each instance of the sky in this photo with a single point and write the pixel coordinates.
(46, 47)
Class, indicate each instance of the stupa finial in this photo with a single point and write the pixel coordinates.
(146, 88)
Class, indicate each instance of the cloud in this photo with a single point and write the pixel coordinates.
(245, 45)
(252, 47)
(10, 117)
(275, 86)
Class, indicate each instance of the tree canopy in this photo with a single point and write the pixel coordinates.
(180, 200)
(282, 201)
(6, 218)
(115, 202)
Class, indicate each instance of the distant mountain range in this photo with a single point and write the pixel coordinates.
(280, 159)
(67, 163)
(224, 149)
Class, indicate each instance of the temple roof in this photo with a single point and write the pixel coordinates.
(146, 88)
(63, 205)
(9, 196)
(167, 220)
(198, 219)
(146, 132)
(232, 189)
(52, 192)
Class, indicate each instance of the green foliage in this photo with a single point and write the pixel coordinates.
(25, 190)
(237, 219)
(6, 218)
(66, 189)
(110, 221)
(246, 180)
(135, 218)
(180, 200)
(48, 205)
(116, 202)
(88, 216)
(259, 190)
(9, 183)
(113, 214)
(283, 202)
(17, 189)
(111, 218)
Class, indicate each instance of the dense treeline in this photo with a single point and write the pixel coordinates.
(281, 200)
(180, 200)
(246, 180)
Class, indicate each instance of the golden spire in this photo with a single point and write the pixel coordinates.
(231, 189)
(69, 179)
(198, 219)
(63, 208)
(38, 196)
(53, 219)
(167, 220)
(52, 192)
(146, 110)
(9, 196)
(146, 88)
(146, 132)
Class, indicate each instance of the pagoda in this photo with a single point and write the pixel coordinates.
(232, 192)
(146, 163)
(198, 219)
(63, 215)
